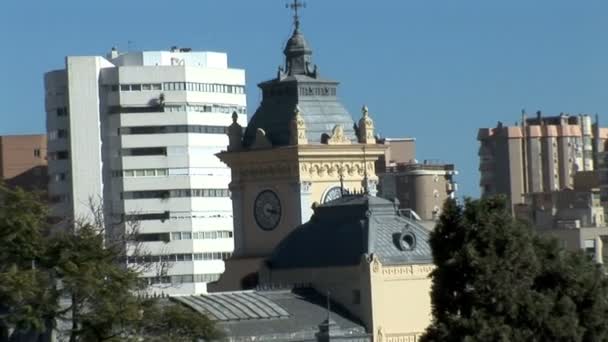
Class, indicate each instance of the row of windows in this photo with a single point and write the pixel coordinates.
(58, 177)
(137, 87)
(62, 111)
(197, 152)
(58, 155)
(144, 151)
(58, 134)
(179, 257)
(181, 279)
(175, 193)
(204, 87)
(205, 108)
(176, 236)
(211, 235)
(174, 129)
(182, 171)
(175, 215)
(181, 86)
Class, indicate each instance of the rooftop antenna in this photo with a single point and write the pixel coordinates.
(295, 6)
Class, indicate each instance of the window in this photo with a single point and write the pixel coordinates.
(59, 155)
(62, 111)
(147, 217)
(58, 177)
(145, 151)
(125, 87)
(174, 129)
(146, 87)
(37, 152)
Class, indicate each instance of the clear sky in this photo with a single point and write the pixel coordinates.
(436, 70)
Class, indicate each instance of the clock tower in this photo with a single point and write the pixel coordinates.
(301, 147)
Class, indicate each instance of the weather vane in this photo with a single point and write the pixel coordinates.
(295, 6)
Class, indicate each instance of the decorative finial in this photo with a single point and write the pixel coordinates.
(366, 128)
(297, 110)
(295, 6)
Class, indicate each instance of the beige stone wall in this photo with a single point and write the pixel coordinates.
(287, 171)
(393, 302)
(401, 301)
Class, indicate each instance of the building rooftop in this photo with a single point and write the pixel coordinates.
(276, 315)
(299, 83)
(174, 57)
(360, 225)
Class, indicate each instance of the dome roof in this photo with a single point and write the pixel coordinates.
(297, 45)
(359, 225)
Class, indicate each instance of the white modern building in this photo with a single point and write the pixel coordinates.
(137, 133)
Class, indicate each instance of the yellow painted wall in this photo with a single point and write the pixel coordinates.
(401, 301)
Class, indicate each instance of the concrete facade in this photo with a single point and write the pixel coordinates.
(136, 134)
(541, 155)
(23, 161)
(421, 187)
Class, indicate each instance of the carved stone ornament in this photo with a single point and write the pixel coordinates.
(338, 137)
(305, 187)
(366, 128)
(376, 265)
(380, 335)
(298, 129)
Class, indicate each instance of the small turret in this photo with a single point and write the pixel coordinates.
(366, 128)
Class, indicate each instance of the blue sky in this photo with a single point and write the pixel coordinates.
(430, 69)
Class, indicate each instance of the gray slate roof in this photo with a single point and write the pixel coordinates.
(343, 231)
(285, 315)
(321, 113)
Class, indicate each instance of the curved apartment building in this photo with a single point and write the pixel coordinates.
(136, 134)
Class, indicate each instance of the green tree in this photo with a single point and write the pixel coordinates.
(495, 280)
(26, 296)
(175, 322)
(79, 276)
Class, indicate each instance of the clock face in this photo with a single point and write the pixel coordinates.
(332, 194)
(267, 210)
